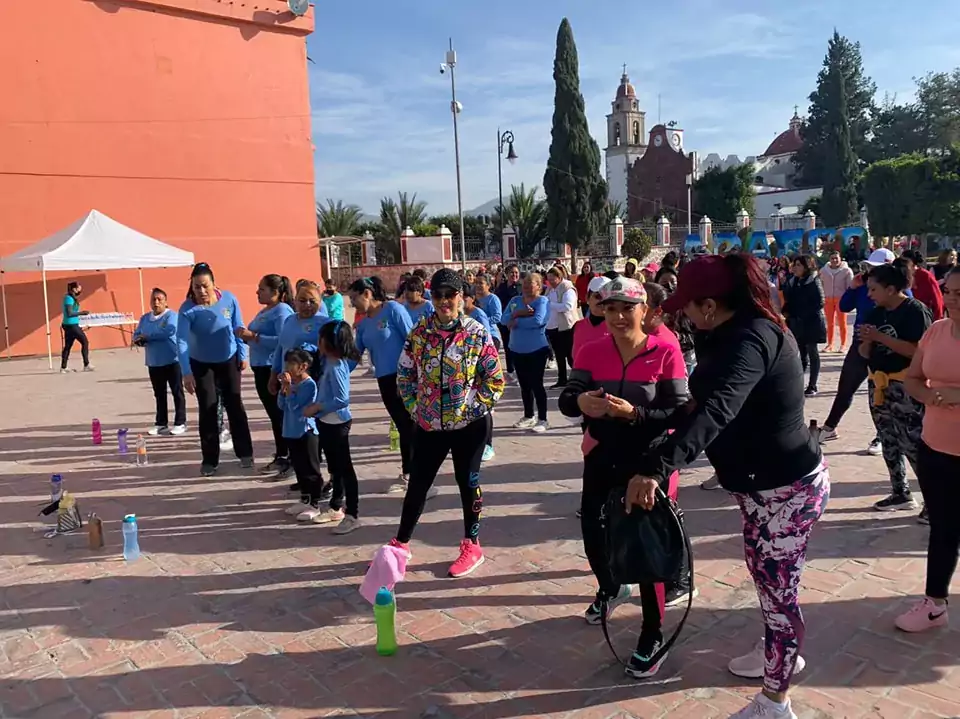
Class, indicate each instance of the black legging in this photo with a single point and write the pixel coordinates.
(304, 456)
(562, 343)
(401, 418)
(160, 377)
(598, 481)
(71, 334)
(225, 377)
(261, 378)
(431, 449)
(505, 333)
(810, 355)
(852, 375)
(938, 474)
(530, 368)
(335, 443)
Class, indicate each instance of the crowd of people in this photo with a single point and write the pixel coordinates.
(658, 364)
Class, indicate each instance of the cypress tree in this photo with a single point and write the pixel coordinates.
(839, 204)
(575, 190)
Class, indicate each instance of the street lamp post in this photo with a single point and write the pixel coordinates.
(504, 139)
(455, 108)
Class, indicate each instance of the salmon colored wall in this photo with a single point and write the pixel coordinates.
(188, 120)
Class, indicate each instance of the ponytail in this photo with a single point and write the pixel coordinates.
(372, 284)
(281, 285)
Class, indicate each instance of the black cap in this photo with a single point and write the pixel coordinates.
(445, 277)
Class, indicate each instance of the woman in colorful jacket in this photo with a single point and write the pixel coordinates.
(449, 378)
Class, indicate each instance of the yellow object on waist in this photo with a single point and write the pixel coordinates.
(882, 380)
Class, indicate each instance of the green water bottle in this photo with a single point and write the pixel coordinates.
(385, 615)
(394, 438)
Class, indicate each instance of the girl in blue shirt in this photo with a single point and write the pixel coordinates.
(383, 331)
(212, 358)
(472, 310)
(413, 300)
(491, 305)
(263, 335)
(332, 412)
(157, 334)
(298, 391)
(526, 316)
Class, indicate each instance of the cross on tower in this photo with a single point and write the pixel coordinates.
(624, 68)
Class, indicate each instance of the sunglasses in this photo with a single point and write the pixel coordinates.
(445, 294)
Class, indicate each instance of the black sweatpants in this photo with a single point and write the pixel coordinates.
(431, 449)
(71, 334)
(562, 343)
(335, 443)
(530, 369)
(225, 377)
(505, 333)
(597, 484)
(401, 418)
(939, 477)
(168, 376)
(261, 377)
(305, 458)
(852, 376)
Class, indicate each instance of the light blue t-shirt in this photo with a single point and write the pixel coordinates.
(384, 336)
(494, 310)
(529, 334)
(302, 394)
(207, 333)
(267, 324)
(70, 305)
(296, 332)
(417, 313)
(160, 332)
(333, 392)
(481, 317)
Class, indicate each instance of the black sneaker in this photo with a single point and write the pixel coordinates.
(593, 613)
(557, 385)
(207, 470)
(896, 502)
(326, 494)
(641, 664)
(285, 469)
(677, 595)
(923, 517)
(811, 391)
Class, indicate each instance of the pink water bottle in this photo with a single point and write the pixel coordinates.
(96, 431)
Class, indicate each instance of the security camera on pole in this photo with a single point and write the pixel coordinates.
(455, 109)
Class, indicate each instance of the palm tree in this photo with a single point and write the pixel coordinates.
(397, 216)
(528, 216)
(337, 219)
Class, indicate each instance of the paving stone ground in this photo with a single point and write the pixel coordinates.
(234, 611)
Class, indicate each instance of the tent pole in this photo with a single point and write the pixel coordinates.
(6, 325)
(140, 272)
(46, 314)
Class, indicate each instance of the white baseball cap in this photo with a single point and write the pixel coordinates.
(881, 256)
(597, 284)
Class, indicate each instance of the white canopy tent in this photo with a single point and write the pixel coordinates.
(95, 242)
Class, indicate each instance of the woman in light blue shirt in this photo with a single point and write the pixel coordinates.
(212, 358)
(414, 301)
(263, 335)
(157, 334)
(526, 316)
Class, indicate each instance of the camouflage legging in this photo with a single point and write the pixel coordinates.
(899, 421)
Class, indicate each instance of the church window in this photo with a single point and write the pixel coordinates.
(636, 132)
(616, 134)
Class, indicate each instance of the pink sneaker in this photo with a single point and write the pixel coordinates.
(471, 557)
(922, 616)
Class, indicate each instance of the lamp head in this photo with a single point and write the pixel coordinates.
(511, 155)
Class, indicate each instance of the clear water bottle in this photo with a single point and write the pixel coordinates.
(131, 545)
(96, 431)
(385, 616)
(56, 487)
(122, 440)
(141, 451)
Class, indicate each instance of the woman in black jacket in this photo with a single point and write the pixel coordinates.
(803, 308)
(746, 413)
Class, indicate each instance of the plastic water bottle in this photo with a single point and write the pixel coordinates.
(96, 431)
(122, 440)
(56, 487)
(141, 451)
(131, 546)
(394, 438)
(385, 615)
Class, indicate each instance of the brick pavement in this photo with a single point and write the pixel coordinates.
(235, 611)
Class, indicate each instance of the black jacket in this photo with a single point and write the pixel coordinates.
(803, 307)
(748, 412)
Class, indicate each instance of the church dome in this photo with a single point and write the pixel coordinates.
(788, 141)
(625, 89)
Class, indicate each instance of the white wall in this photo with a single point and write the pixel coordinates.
(616, 175)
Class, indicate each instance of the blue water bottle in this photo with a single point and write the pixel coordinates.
(385, 615)
(131, 547)
(122, 440)
(56, 487)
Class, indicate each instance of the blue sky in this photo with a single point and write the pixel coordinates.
(728, 71)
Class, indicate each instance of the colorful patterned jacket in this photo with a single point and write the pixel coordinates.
(448, 379)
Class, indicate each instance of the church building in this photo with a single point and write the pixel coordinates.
(626, 139)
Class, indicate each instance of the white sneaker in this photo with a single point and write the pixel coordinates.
(296, 508)
(324, 516)
(525, 423)
(178, 429)
(828, 434)
(226, 441)
(309, 513)
(751, 666)
(875, 448)
(541, 426)
(400, 486)
(66, 371)
(551, 364)
(347, 525)
(157, 429)
(89, 368)
(761, 706)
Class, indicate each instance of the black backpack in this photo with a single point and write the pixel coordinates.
(646, 547)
